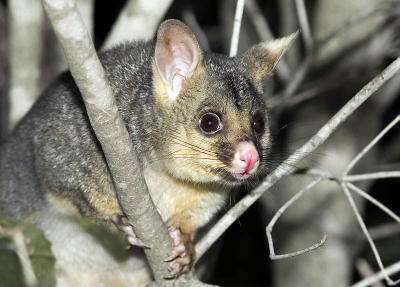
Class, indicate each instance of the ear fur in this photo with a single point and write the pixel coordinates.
(262, 58)
(176, 56)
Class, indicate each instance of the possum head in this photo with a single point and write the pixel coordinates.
(215, 121)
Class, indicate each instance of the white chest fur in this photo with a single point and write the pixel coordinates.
(189, 204)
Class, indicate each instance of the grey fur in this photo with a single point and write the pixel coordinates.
(54, 147)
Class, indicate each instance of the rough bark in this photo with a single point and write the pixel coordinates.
(53, 60)
(131, 188)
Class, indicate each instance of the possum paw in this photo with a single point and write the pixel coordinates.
(121, 222)
(181, 256)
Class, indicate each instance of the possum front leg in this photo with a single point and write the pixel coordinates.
(181, 256)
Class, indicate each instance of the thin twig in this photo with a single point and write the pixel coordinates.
(384, 230)
(264, 32)
(366, 233)
(370, 145)
(138, 20)
(304, 24)
(390, 270)
(374, 201)
(19, 242)
(236, 28)
(303, 69)
(348, 178)
(317, 172)
(372, 175)
(274, 219)
(366, 270)
(287, 166)
(298, 77)
(357, 20)
(190, 19)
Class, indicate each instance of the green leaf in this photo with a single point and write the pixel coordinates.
(39, 252)
(10, 270)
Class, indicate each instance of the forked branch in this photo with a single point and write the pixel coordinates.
(281, 210)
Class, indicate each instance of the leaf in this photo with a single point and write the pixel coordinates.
(39, 252)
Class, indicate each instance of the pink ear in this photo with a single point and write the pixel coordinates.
(177, 54)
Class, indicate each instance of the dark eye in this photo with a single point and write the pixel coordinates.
(258, 124)
(210, 123)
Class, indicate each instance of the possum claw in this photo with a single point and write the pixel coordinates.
(121, 222)
(181, 256)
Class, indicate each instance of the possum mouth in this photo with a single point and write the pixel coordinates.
(231, 178)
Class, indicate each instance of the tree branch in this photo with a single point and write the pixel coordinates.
(281, 210)
(236, 28)
(390, 270)
(110, 130)
(374, 201)
(190, 19)
(23, 255)
(372, 175)
(264, 32)
(304, 24)
(371, 145)
(357, 20)
(138, 20)
(366, 270)
(366, 233)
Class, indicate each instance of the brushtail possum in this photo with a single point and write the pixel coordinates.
(199, 125)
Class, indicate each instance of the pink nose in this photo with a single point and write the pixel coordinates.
(246, 158)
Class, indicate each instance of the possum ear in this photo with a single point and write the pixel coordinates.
(177, 54)
(262, 58)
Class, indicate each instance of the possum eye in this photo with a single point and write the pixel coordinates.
(210, 123)
(258, 124)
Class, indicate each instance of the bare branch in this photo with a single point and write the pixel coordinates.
(366, 270)
(373, 175)
(366, 233)
(298, 77)
(390, 270)
(358, 20)
(304, 24)
(190, 19)
(384, 230)
(236, 28)
(281, 210)
(371, 145)
(137, 21)
(265, 34)
(374, 201)
(131, 188)
(287, 166)
(29, 276)
(259, 21)
(315, 49)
